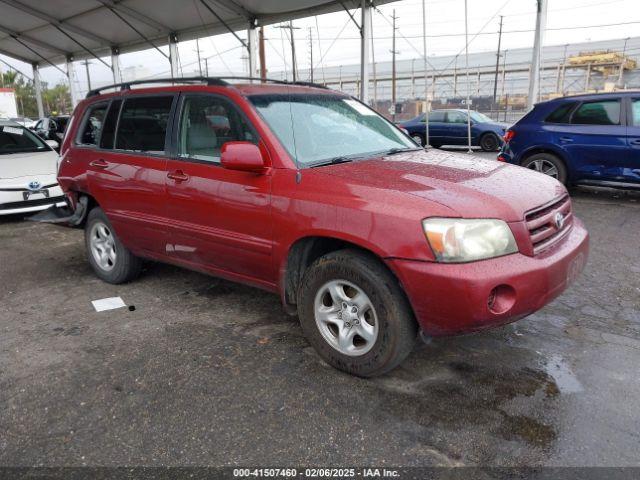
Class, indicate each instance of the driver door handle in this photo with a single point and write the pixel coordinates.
(178, 176)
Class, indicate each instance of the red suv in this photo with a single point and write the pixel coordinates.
(308, 193)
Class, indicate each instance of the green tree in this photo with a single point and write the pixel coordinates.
(56, 100)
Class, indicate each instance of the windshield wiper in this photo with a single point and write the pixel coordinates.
(393, 151)
(334, 161)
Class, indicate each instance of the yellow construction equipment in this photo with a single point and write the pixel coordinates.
(605, 62)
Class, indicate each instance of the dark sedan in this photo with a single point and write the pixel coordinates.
(449, 127)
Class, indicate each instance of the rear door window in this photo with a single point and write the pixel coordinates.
(604, 112)
(92, 126)
(635, 112)
(206, 124)
(456, 117)
(143, 124)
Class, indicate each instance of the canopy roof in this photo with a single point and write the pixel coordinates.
(48, 32)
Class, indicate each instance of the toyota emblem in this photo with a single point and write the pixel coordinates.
(34, 185)
(559, 220)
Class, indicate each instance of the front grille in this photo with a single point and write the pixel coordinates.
(32, 203)
(541, 223)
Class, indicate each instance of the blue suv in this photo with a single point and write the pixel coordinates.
(449, 127)
(589, 139)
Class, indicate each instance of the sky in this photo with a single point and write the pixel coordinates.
(335, 38)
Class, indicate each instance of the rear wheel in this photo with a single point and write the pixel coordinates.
(355, 315)
(110, 260)
(547, 164)
(489, 142)
(418, 139)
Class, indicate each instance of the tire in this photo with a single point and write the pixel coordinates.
(110, 260)
(384, 310)
(436, 145)
(419, 139)
(548, 164)
(489, 142)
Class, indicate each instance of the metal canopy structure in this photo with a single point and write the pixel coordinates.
(63, 31)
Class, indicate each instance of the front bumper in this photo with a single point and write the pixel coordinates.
(450, 299)
(12, 201)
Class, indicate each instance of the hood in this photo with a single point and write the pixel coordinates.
(472, 187)
(28, 164)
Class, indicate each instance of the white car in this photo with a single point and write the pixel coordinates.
(28, 170)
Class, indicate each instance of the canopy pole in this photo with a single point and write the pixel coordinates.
(251, 48)
(71, 75)
(426, 81)
(173, 54)
(466, 66)
(115, 65)
(365, 42)
(534, 74)
(38, 87)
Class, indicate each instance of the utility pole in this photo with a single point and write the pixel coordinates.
(311, 54)
(426, 83)
(263, 65)
(393, 69)
(495, 80)
(536, 60)
(86, 68)
(624, 52)
(198, 52)
(291, 28)
(206, 66)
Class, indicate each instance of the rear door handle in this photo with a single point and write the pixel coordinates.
(635, 142)
(100, 163)
(566, 139)
(178, 176)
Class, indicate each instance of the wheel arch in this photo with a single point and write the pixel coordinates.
(303, 252)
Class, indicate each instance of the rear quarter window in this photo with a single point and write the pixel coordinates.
(561, 114)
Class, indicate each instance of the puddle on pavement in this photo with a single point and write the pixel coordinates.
(564, 378)
(475, 394)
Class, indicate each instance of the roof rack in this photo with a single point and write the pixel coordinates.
(210, 81)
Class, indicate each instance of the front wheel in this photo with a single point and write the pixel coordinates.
(355, 315)
(418, 139)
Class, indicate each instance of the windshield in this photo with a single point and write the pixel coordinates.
(480, 117)
(316, 129)
(17, 139)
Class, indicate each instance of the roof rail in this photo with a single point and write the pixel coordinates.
(211, 81)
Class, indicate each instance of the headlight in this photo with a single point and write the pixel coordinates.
(455, 240)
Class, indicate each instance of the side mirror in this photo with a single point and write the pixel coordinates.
(52, 143)
(242, 156)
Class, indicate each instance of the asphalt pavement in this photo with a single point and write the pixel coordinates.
(200, 371)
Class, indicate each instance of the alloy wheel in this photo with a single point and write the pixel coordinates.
(544, 166)
(103, 246)
(346, 318)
